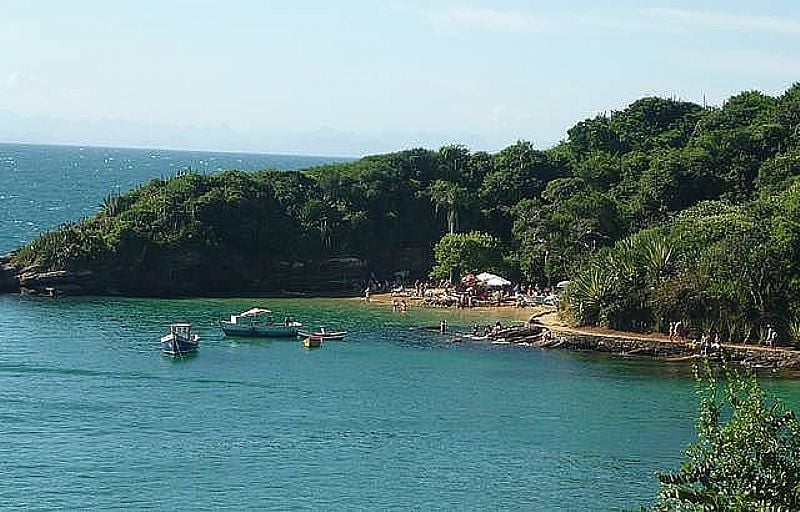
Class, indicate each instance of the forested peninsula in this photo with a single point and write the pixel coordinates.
(664, 210)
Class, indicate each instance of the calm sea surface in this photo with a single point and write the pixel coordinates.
(43, 186)
(92, 416)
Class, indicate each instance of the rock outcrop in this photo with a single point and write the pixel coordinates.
(780, 358)
(186, 276)
(8, 275)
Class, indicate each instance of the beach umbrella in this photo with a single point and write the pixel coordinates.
(562, 284)
(497, 282)
(493, 280)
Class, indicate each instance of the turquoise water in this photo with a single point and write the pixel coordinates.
(93, 415)
(42, 186)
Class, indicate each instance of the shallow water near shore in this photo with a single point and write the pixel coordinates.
(395, 417)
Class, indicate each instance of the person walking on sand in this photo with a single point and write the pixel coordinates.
(770, 337)
(672, 331)
(680, 332)
(366, 294)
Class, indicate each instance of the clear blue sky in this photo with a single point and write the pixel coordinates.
(354, 77)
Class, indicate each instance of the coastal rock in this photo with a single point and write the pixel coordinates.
(183, 273)
(57, 281)
(8, 275)
(631, 346)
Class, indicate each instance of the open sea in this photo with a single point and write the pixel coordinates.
(395, 418)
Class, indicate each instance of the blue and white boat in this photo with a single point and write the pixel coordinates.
(180, 340)
(259, 323)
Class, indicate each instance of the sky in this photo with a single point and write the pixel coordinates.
(357, 77)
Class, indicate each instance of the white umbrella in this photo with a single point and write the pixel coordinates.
(493, 280)
(562, 284)
(497, 282)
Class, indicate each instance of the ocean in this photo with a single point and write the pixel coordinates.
(42, 186)
(393, 418)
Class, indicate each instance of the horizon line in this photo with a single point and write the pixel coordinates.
(185, 149)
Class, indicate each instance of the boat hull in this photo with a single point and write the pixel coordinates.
(249, 331)
(332, 336)
(179, 346)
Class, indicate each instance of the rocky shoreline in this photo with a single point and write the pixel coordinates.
(330, 277)
(622, 345)
(8, 275)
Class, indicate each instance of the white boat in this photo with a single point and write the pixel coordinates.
(324, 335)
(180, 340)
(260, 323)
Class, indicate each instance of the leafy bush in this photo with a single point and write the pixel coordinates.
(746, 456)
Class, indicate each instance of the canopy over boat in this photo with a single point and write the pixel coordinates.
(255, 312)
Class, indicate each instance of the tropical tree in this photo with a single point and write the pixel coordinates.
(458, 253)
(450, 197)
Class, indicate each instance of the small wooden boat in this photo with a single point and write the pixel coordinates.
(312, 342)
(180, 340)
(259, 323)
(324, 335)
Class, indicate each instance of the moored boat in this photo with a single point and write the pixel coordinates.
(180, 340)
(312, 342)
(324, 335)
(258, 322)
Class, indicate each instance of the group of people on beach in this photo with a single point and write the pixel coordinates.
(461, 294)
(705, 341)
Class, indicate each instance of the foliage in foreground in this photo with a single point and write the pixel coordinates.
(746, 456)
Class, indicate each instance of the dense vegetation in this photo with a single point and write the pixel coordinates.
(664, 210)
(746, 456)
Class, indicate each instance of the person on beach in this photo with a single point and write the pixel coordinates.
(672, 331)
(716, 346)
(403, 306)
(705, 341)
(771, 336)
(497, 328)
(680, 331)
(443, 326)
(366, 294)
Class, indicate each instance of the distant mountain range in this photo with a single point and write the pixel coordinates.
(223, 137)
